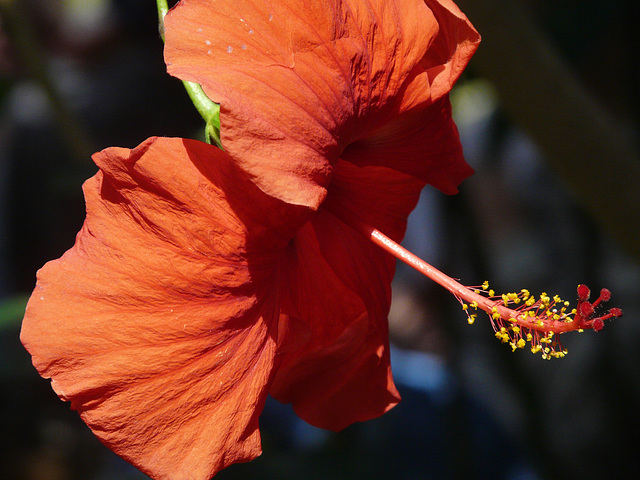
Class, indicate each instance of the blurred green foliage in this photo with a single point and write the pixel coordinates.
(12, 310)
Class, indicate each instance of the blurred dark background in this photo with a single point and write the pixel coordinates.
(548, 112)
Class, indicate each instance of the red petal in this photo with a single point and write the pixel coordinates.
(298, 80)
(381, 197)
(341, 374)
(158, 325)
(422, 140)
(446, 58)
(423, 143)
(455, 44)
(340, 296)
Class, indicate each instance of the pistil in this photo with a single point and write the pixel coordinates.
(517, 318)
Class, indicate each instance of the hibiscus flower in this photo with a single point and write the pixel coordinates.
(205, 279)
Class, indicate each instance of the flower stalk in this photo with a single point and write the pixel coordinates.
(208, 110)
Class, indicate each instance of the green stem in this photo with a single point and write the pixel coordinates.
(208, 110)
(163, 8)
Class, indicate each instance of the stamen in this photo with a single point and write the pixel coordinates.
(517, 318)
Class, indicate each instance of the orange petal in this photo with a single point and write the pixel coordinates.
(380, 196)
(298, 80)
(450, 52)
(158, 325)
(422, 143)
(340, 287)
(335, 359)
(445, 60)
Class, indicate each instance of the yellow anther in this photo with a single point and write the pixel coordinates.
(526, 324)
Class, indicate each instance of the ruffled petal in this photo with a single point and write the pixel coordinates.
(423, 143)
(335, 360)
(297, 80)
(444, 61)
(159, 324)
(381, 197)
(335, 367)
(421, 138)
(451, 50)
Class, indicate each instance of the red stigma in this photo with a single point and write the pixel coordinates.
(616, 312)
(583, 293)
(586, 311)
(605, 295)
